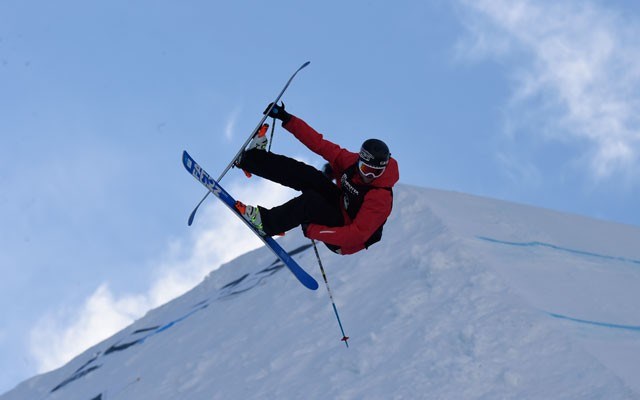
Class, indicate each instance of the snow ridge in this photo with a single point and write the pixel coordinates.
(464, 298)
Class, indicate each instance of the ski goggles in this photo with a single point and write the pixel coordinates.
(370, 171)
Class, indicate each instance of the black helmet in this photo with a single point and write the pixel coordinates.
(375, 153)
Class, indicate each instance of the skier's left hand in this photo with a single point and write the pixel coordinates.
(278, 112)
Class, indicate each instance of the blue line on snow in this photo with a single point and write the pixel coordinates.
(554, 247)
(603, 324)
(579, 252)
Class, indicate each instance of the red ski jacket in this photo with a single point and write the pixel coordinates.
(377, 204)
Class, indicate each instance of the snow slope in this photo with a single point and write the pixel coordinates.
(465, 298)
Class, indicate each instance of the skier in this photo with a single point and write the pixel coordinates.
(348, 215)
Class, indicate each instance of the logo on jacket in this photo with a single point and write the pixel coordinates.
(349, 190)
(346, 185)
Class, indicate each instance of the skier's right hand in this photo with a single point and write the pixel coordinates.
(304, 227)
(277, 112)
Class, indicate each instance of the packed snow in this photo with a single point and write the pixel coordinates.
(464, 298)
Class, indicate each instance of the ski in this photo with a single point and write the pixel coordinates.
(214, 187)
(264, 118)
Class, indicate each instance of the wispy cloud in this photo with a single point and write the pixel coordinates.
(230, 126)
(519, 171)
(577, 63)
(63, 334)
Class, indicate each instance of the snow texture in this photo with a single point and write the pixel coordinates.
(465, 298)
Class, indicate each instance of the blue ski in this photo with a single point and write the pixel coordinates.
(214, 187)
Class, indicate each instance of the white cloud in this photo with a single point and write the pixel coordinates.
(217, 237)
(101, 315)
(581, 60)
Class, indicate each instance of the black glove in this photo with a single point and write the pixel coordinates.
(278, 112)
(304, 227)
(327, 171)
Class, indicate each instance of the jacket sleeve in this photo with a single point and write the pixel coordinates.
(339, 158)
(375, 209)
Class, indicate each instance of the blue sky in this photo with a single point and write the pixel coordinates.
(533, 102)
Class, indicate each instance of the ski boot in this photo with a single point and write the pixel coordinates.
(252, 215)
(259, 142)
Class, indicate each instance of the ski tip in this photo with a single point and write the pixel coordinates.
(305, 64)
(186, 159)
(190, 221)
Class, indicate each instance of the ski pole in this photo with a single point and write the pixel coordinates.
(345, 338)
(273, 129)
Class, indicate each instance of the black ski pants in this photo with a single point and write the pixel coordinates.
(319, 202)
